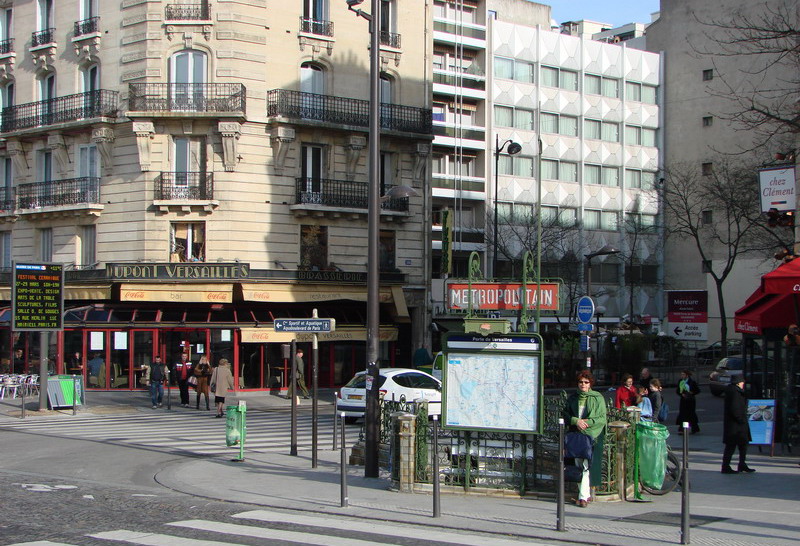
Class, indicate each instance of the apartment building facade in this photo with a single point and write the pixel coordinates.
(201, 169)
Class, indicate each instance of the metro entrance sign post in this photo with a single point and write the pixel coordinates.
(585, 314)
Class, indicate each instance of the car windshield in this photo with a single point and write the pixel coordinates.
(360, 381)
(416, 381)
(734, 363)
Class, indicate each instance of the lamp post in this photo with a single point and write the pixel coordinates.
(513, 149)
(605, 251)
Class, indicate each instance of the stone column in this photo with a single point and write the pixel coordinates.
(405, 428)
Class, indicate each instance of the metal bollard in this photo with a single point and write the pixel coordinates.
(437, 506)
(344, 499)
(685, 516)
(335, 411)
(560, 493)
(169, 393)
(22, 392)
(74, 395)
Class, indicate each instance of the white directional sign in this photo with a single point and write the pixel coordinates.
(697, 331)
(309, 325)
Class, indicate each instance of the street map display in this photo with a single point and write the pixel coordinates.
(492, 391)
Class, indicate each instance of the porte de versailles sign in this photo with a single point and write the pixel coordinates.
(178, 271)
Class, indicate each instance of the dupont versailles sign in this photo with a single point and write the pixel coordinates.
(178, 271)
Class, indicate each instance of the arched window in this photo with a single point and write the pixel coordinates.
(187, 76)
(387, 89)
(90, 78)
(312, 79)
(7, 95)
(47, 92)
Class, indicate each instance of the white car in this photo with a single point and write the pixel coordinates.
(398, 384)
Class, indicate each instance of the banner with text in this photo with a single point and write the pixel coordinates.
(497, 296)
(687, 314)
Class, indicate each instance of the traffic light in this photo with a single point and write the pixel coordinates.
(773, 216)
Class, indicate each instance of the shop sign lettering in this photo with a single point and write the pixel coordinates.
(145, 271)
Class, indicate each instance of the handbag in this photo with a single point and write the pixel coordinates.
(578, 445)
(192, 380)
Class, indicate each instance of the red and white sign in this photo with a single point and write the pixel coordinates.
(777, 188)
(497, 296)
(687, 313)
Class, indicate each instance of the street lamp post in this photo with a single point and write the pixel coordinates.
(605, 251)
(513, 149)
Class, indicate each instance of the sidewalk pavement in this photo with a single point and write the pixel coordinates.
(759, 508)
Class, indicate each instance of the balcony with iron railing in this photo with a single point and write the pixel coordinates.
(341, 194)
(71, 108)
(58, 193)
(390, 39)
(42, 37)
(7, 201)
(215, 99)
(296, 105)
(7, 46)
(188, 12)
(320, 28)
(184, 186)
(87, 26)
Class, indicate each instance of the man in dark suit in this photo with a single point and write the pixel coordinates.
(735, 427)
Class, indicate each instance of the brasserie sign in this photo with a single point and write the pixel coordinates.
(178, 271)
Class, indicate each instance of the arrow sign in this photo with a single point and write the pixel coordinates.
(311, 325)
(677, 331)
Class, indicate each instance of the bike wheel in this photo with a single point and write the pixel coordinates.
(672, 476)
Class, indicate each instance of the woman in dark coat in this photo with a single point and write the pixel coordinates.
(687, 409)
(735, 427)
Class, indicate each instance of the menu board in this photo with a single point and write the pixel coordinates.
(761, 418)
(38, 297)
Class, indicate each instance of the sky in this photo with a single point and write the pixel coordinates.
(616, 12)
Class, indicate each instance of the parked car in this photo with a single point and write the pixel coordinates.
(727, 367)
(714, 351)
(398, 384)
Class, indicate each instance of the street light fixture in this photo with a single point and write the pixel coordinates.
(513, 149)
(372, 411)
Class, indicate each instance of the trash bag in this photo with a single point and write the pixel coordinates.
(651, 439)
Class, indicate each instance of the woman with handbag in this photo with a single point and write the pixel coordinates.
(202, 373)
(221, 383)
(585, 414)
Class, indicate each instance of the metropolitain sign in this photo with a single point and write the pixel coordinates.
(493, 296)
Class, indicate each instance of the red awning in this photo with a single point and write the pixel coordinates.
(783, 280)
(765, 311)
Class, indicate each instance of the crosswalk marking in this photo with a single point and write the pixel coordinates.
(41, 543)
(156, 539)
(372, 527)
(266, 431)
(272, 534)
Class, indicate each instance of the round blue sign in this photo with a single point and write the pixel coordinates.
(585, 309)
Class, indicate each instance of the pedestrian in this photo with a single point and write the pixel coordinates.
(299, 368)
(585, 412)
(183, 370)
(157, 374)
(626, 393)
(656, 399)
(18, 365)
(644, 378)
(735, 427)
(644, 404)
(221, 383)
(203, 374)
(96, 367)
(687, 408)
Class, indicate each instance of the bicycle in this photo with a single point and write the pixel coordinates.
(673, 472)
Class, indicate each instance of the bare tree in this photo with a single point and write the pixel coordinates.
(718, 211)
(760, 46)
(642, 244)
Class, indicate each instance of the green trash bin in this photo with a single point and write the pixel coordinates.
(651, 439)
(236, 427)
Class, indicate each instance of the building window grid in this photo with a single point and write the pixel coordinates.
(559, 216)
(565, 171)
(509, 116)
(559, 124)
(560, 78)
(516, 165)
(601, 220)
(600, 85)
(513, 69)
(606, 131)
(640, 222)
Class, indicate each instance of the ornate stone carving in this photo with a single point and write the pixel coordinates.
(145, 132)
(7, 63)
(58, 147)
(103, 137)
(43, 58)
(353, 151)
(281, 138)
(230, 131)
(87, 49)
(17, 152)
(421, 160)
(316, 45)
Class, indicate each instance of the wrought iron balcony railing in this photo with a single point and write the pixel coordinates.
(87, 26)
(89, 105)
(184, 186)
(310, 26)
(187, 97)
(41, 37)
(7, 46)
(346, 111)
(390, 39)
(55, 193)
(7, 200)
(341, 193)
(188, 12)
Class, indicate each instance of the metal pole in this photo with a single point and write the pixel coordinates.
(496, 185)
(335, 408)
(560, 494)
(43, 371)
(685, 516)
(293, 394)
(74, 395)
(539, 233)
(314, 379)
(372, 415)
(343, 487)
(437, 505)
(22, 391)
(169, 391)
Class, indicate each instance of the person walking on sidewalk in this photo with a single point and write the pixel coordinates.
(687, 409)
(735, 427)
(300, 370)
(183, 370)
(626, 393)
(221, 382)
(585, 412)
(156, 375)
(203, 374)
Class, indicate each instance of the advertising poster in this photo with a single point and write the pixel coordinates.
(761, 418)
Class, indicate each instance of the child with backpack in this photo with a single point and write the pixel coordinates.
(660, 408)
